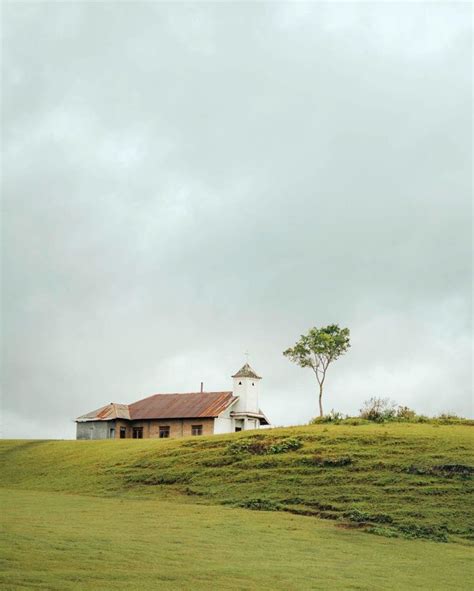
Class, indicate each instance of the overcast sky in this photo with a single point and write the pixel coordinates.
(185, 182)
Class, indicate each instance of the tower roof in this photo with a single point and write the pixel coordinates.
(246, 372)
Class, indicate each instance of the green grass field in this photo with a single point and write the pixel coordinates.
(144, 514)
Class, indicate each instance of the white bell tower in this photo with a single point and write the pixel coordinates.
(247, 388)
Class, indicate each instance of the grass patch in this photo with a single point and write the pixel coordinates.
(69, 542)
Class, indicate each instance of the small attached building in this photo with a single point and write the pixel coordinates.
(180, 415)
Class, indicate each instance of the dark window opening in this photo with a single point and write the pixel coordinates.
(123, 432)
(137, 432)
(237, 429)
(240, 383)
(164, 432)
(196, 429)
(253, 384)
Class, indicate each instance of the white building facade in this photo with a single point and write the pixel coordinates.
(244, 411)
(180, 415)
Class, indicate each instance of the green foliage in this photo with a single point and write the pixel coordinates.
(382, 410)
(354, 421)
(364, 517)
(448, 416)
(332, 417)
(405, 414)
(259, 446)
(378, 410)
(320, 346)
(450, 419)
(421, 419)
(259, 505)
(446, 470)
(318, 349)
(413, 530)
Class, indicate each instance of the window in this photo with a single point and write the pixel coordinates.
(123, 432)
(137, 432)
(112, 433)
(196, 429)
(253, 384)
(164, 432)
(240, 383)
(237, 429)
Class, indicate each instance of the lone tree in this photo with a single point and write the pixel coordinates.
(317, 349)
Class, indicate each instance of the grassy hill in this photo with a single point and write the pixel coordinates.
(137, 513)
(396, 479)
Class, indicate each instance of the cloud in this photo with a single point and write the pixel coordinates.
(185, 182)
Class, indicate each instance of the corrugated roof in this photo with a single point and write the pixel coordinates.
(181, 406)
(246, 372)
(106, 413)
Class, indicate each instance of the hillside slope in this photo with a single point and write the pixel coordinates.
(397, 480)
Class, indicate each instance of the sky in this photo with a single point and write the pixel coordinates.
(187, 182)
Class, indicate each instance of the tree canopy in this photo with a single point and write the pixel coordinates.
(318, 349)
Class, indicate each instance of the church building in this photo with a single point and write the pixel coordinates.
(180, 415)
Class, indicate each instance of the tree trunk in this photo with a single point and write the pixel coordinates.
(321, 400)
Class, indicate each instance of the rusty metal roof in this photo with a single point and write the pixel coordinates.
(165, 406)
(106, 413)
(246, 372)
(181, 406)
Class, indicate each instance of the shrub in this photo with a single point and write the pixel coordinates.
(378, 410)
(444, 470)
(410, 532)
(449, 418)
(355, 421)
(413, 531)
(361, 517)
(332, 417)
(255, 447)
(285, 445)
(455, 469)
(422, 419)
(259, 505)
(405, 414)
(265, 446)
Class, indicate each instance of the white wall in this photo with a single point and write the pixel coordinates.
(223, 425)
(248, 390)
(253, 424)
